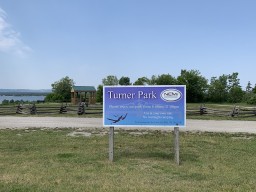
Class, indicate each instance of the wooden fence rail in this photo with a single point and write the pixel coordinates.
(32, 109)
(236, 111)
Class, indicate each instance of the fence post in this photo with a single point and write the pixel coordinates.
(81, 110)
(33, 110)
(19, 109)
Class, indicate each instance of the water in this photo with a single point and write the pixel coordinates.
(24, 98)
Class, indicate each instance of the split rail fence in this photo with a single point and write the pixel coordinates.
(41, 109)
(235, 111)
(82, 108)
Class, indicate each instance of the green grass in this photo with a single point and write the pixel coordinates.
(50, 160)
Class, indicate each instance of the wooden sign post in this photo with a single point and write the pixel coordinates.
(111, 144)
(176, 146)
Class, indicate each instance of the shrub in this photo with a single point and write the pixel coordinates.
(252, 100)
(54, 97)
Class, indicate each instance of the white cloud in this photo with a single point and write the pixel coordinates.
(10, 41)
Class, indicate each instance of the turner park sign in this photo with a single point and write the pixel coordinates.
(144, 106)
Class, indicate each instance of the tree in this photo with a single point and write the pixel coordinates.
(124, 81)
(226, 89)
(5, 102)
(54, 97)
(251, 99)
(218, 89)
(99, 96)
(249, 96)
(110, 80)
(248, 88)
(196, 85)
(233, 80)
(165, 79)
(153, 80)
(142, 81)
(61, 90)
(254, 89)
(235, 92)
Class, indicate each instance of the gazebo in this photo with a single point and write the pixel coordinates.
(83, 94)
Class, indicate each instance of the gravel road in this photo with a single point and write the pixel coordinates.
(11, 122)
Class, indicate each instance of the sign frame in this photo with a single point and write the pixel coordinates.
(154, 106)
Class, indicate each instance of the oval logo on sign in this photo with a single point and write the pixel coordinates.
(170, 95)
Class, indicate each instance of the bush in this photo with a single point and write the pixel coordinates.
(235, 95)
(5, 102)
(252, 99)
(54, 97)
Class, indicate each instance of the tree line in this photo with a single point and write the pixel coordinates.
(222, 89)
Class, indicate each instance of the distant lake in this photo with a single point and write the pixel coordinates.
(24, 98)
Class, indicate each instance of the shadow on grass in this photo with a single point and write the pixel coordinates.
(189, 157)
(143, 155)
(159, 155)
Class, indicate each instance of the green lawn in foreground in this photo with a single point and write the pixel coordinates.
(50, 160)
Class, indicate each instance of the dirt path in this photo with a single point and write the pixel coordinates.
(12, 122)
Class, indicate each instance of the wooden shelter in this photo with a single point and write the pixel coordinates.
(85, 94)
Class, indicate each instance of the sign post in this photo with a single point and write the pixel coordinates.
(176, 146)
(111, 144)
(144, 106)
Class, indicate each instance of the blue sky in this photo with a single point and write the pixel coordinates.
(42, 41)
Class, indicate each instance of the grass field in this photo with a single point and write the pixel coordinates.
(51, 160)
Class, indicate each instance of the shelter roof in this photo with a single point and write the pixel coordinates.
(83, 88)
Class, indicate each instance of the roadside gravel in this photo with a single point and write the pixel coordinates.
(11, 122)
